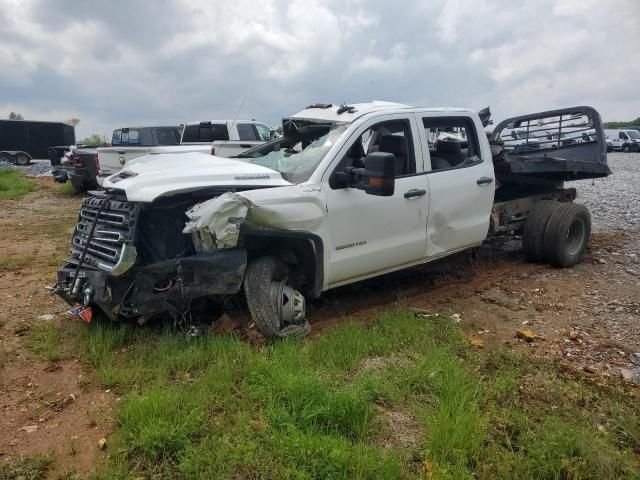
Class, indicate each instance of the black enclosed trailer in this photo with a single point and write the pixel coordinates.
(23, 140)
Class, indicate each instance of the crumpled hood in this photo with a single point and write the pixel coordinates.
(154, 176)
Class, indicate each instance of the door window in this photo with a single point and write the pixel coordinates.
(623, 136)
(246, 132)
(264, 132)
(392, 136)
(452, 141)
(205, 132)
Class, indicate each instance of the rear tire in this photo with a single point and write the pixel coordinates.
(265, 277)
(567, 235)
(534, 229)
(22, 159)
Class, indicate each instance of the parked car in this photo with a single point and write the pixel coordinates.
(347, 193)
(220, 138)
(624, 140)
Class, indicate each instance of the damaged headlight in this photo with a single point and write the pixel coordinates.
(122, 175)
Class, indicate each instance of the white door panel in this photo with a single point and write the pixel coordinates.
(371, 233)
(459, 208)
(461, 197)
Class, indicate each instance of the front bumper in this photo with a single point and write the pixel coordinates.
(168, 286)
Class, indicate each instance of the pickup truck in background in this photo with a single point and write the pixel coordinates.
(227, 138)
(77, 165)
(130, 143)
(223, 138)
(347, 193)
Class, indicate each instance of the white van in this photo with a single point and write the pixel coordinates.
(624, 140)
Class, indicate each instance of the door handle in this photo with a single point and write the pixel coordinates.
(245, 145)
(484, 180)
(414, 193)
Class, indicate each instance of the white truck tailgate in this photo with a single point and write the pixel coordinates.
(112, 159)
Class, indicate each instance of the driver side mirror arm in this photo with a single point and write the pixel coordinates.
(376, 178)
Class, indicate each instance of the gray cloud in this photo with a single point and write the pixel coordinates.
(170, 61)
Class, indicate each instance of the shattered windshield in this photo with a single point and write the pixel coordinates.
(299, 151)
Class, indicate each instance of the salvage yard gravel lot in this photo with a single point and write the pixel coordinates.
(484, 367)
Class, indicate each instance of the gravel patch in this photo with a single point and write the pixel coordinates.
(613, 201)
(37, 168)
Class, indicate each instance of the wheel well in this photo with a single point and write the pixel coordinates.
(303, 250)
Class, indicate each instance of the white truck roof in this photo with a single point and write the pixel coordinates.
(222, 121)
(357, 110)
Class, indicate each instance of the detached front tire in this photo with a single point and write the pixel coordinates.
(567, 235)
(275, 306)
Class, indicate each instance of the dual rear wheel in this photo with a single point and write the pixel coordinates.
(557, 233)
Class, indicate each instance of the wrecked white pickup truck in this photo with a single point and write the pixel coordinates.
(348, 192)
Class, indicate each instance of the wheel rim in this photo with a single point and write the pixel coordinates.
(289, 303)
(575, 236)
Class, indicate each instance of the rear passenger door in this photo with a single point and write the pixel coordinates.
(461, 182)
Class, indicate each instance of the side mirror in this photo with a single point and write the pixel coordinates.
(272, 134)
(379, 174)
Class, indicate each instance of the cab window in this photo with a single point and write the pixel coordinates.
(246, 132)
(453, 142)
(622, 136)
(264, 132)
(390, 137)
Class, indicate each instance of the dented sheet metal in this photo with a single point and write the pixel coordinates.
(216, 223)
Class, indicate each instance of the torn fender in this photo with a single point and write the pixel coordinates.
(216, 223)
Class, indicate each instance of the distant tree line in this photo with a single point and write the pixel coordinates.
(15, 116)
(95, 140)
(632, 123)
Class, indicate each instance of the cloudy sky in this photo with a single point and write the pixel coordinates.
(136, 62)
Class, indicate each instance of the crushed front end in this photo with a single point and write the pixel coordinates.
(132, 260)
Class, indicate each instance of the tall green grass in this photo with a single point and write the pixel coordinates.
(13, 184)
(215, 407)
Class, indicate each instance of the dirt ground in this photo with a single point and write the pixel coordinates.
(586, 317)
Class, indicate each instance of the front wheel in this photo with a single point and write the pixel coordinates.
(625, 149)
(276, 307)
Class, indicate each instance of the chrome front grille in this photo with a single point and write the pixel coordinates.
(111, 247)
